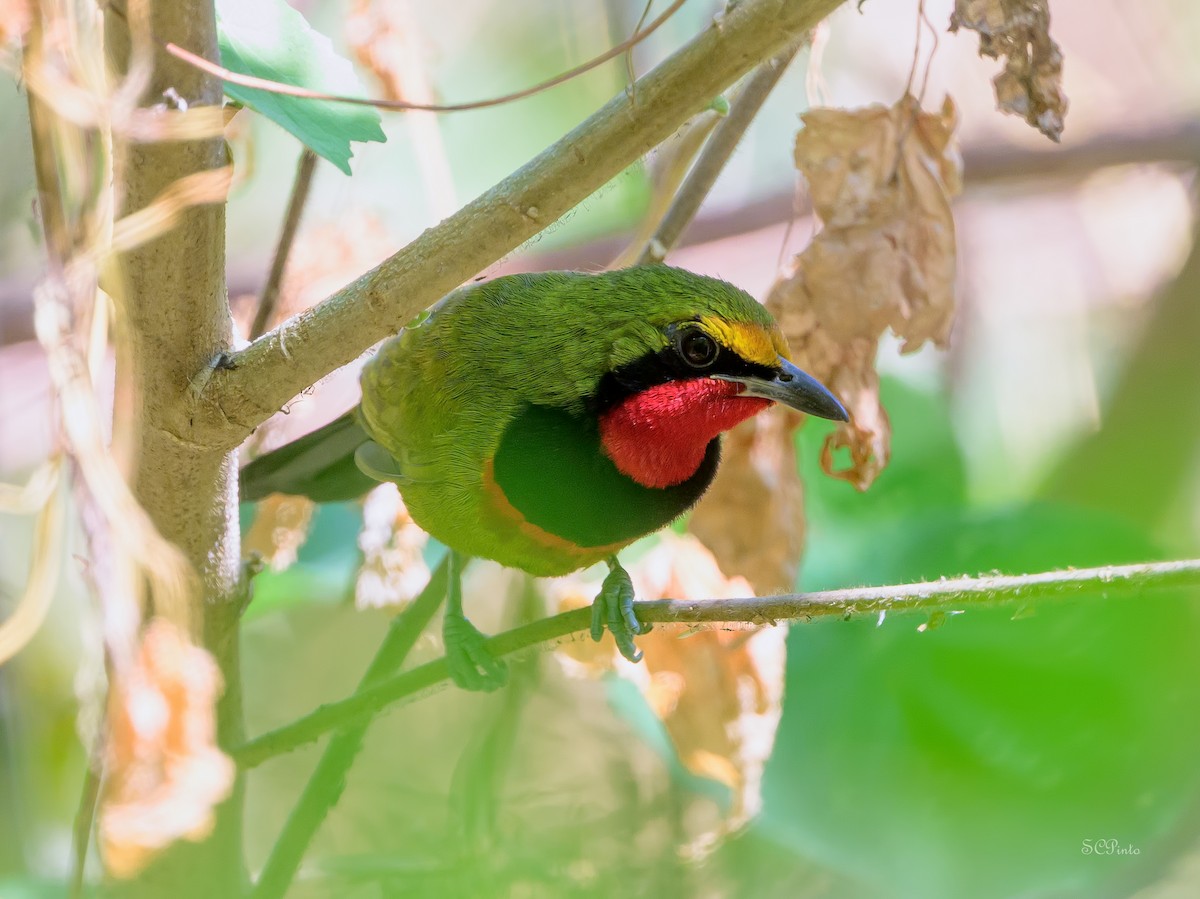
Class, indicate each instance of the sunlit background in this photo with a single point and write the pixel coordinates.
(1034, 752)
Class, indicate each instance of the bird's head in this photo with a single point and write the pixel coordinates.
(699, 357)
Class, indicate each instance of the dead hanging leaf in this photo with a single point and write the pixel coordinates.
(881, 180)
(393, 569)
(165, 774)
(279, 530)
(718, 692)
(752, 517)
(1019, 30)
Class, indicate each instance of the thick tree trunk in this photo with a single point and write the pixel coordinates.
(172, 291)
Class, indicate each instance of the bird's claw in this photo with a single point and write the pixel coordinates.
(471, 664)
(613, 607)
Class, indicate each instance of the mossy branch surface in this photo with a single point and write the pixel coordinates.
(951, 594)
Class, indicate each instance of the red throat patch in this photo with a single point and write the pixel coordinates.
(659, 436)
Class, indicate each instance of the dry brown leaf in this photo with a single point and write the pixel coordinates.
(1030, 86)
(752, 517)
(718, 692)
(393, 569)
(165, 774)
(279, 530)
(881, 180)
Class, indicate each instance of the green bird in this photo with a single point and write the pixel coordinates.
(548, 420)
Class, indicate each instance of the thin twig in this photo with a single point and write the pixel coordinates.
(672, 162)
(715, 155)
(291, 223)
(325, 785)
(1109, 582)
(289, 90)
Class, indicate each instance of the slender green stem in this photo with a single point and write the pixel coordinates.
(1107, 582)
(328, 779)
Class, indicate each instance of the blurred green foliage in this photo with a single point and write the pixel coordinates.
(1014, 751)
(988, 753)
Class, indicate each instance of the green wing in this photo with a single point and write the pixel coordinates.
(319, 465)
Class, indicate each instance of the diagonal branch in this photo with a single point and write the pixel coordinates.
(1108, 582)
(251, 385)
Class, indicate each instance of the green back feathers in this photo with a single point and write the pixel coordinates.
(554, 335)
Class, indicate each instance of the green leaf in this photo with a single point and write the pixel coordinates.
(268, 39)
(988, 753)
(983, 757)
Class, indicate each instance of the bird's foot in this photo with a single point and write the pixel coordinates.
(614, 607)
(472, 666)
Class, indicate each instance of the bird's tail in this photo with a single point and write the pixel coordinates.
(319, 465)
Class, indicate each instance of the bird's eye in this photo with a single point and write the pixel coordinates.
(697, 349)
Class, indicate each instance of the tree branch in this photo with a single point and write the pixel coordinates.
(1109, 582)
(257, 381)
(984, 166)
(716, 154)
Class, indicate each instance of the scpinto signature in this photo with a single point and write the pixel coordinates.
(1108, 846)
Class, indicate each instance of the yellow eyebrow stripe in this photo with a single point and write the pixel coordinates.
(752, 342)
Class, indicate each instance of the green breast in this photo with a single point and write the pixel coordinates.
(551, 468)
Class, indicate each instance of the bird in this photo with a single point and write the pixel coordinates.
(546, 421)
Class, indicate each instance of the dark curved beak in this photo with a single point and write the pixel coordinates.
(793, 388)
